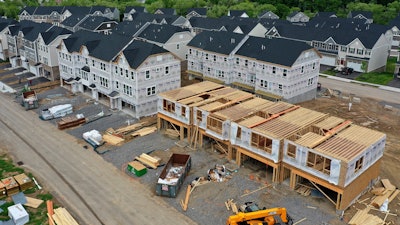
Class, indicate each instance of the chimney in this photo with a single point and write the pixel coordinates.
(232, 40)
(211, 39)
(262, 47)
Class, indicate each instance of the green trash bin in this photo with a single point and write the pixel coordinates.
(137, 168)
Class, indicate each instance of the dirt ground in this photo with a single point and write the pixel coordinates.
(372, 114)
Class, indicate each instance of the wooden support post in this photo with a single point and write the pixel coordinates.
(238, 157)
(185, 203)
(182, 133)
(158, 123)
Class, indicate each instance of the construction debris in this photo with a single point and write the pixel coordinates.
(304, 190)
(388, 194)
(62, 217)
(144, 131)
(218, 173)
(363, 218)
(251, 192)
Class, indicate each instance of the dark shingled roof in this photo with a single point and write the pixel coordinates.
(109, 46)
(93, 22)
(148, 17)
(6, 22)
(236, 13)
(200, 11)
(28, 9)
(166, 11)
(206, 23)
(216, 41)
(128, 28)
(128, 9)
(47, 10)
(160, 33)
(138, 51)
(366, 14)
(276, 50)
(30, 29)
(78, 10)
(53, 33)
(74, 42)
(73, 20)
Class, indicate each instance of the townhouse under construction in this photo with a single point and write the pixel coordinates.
(338, 157)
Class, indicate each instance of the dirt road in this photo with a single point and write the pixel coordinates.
(93, 190)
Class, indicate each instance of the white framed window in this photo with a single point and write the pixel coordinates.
(177, 46)
(147, 77)
(273, 70)
(167, 70)
(280, 86)
(132, 75)
(151, 90)
(284, 72)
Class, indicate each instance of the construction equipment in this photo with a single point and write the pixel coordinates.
(251, 214)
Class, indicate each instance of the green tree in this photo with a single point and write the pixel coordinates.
(217, 11)
(246, 6)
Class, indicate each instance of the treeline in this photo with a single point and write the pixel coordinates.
(383, 10)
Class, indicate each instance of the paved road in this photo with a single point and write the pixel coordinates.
(361, 90)
(94, 191)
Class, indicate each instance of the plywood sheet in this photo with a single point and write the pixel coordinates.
(308, 139)
(251, 120)
(329, 123)
(191, 90)
(243, 109)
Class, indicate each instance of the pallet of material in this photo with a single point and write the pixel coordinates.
(149, 161)
(24, 181)
(62, 217)
(112, 139)
(303, 190)
(70, 121)
(144, 131)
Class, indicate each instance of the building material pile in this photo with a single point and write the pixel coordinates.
(386, 193)
(59, 216)
(363, 218)
(126, 133)
(71, 121)
(149, 161)
(94, 138)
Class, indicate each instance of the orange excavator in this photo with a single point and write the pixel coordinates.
(273, 216)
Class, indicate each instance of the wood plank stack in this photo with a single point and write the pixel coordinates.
(152, 162)
(388, 191)
(112, 139)
(172, 133)
(144, 131)
(363, 218)
(62, 217)
(70, 121)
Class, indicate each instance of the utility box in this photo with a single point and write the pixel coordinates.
(18, 214)
(24, 181)
(137, 168)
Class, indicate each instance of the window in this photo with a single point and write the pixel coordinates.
(167, 70)
(147, 74)
(246, 62)
(117, 84)
(358, 165)
(126, 74)
(280, 86)
(94, 77)
(215, 58)
(239, 75)
(360, 51)
(104, 82)
(221, 74)
(291, 151)
(310, 81)
(121, 72)
(132, 75)
(261, 142)
(237, 61)
(319, 163)
(225, 59)
(273, 70)
(116, 69)
(251, 78)
(127, 90)
(151, 90)
(206, 55)
(177, 46)
(284, 73)
(190, 51)
(352, 50)
(263, 83)
(93, 63)
(302, 69)
(313, 66)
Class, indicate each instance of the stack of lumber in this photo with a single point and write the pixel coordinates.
(363, 218)
(125, 132)
(112, 139)
(62, 217)
(70, 121)
(152, 162)
(388, 191)
(144, 131)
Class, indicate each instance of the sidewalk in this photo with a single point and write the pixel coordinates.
(383, 87)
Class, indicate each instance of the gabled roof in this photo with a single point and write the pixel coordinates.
(160, 33)
(200, 11)
(99, 8)
(4, 23)
(366, 14)
(47, 10)
(73, 20)
(109, 46)
(31, 29)
(53, 33)
(245, 24)
(129, 28)
(28, 9)
(270, 50)
(166, 11)
(216, 41)
(74, 42)
(206, 23)
(269, 23)
(325, 14)
(138, 51)
(129, 9)
(368, 34)
(237, 13)
(148, 17)
(292, 14)
(93, 22)
(78, 10)
(267, 13)
(395, 22)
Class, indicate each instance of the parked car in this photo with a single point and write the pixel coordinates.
(347, 70)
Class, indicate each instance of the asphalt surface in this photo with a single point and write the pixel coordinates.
(94, 191)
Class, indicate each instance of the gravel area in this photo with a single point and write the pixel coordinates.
(206, 205)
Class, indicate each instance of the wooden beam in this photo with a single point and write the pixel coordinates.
(251, 192)
(319, 189)
(274, 116)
